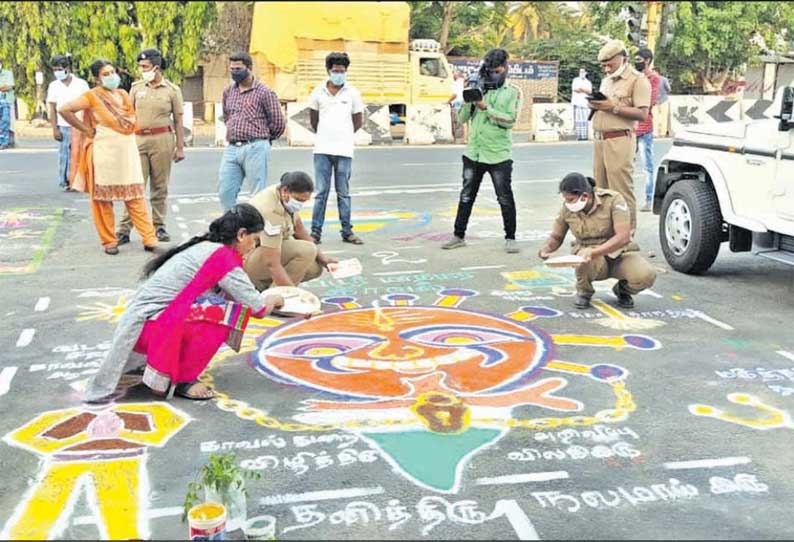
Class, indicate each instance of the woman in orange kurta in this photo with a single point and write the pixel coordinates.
(109, 166)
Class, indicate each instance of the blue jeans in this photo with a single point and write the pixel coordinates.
(645, 145)
(341, 167)
(64, 155)
(5, 123)
(247, 161)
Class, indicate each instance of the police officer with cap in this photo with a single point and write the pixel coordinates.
(159, 108)
(600, 222)
(628, 99)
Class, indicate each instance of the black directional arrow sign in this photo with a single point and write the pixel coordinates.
(302, 118)
(718, 111)
(758, 110)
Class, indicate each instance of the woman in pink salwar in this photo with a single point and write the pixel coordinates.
(195, 297)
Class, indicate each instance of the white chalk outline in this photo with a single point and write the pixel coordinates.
(707, 463)
(523, 478)
(26, 337)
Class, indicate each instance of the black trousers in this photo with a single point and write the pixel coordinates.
(502, 177)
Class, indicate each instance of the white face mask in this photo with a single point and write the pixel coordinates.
(578, 206)
(148, 77)
(293, 205)
(617, 73)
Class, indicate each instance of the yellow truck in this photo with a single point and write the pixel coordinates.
(290, 40)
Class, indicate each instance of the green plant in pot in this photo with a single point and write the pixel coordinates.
(222, 481)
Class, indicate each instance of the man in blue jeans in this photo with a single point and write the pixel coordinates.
(253, 119)
(336, 113)
(644, 64)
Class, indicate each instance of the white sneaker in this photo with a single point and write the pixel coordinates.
(511, 247)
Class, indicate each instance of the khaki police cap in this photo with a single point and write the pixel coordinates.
(611, 49)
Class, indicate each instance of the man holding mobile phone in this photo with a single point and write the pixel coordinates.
(628, 99)
(490, 148)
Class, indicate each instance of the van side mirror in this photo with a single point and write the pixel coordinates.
(786, 110)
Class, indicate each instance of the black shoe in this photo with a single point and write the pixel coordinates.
(162, 235)
(352, 238)
(625, 300)
(316, 239)
(581, 301)
(122, 238)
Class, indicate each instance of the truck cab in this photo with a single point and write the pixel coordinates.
(430, 73)
(728, 182)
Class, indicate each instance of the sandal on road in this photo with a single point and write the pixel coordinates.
(195, 391)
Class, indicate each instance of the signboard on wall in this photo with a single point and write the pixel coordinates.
(518, 69)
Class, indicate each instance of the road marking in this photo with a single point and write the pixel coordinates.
(398, 273)
(154, 513)
(481, 267)
(707, 463)
(518, 519)
(651, 293)
(787, 355)
(25, 337)
(325, 495)
(706, 318)
(5, 379)
(175, 208)
(182, 226)
(523, 478)
(42, 304)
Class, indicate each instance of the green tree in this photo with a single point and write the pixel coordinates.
(32, 32)
(458, 26)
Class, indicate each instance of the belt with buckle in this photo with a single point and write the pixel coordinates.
(154, 131)
(611, 134)
(241, 142)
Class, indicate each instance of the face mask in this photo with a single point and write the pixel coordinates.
(576, 207)
(240, 75)
(617, 73)
(111, 82)
(60, 75)
(293, 206)
(498, 79)
(582, 74)
(338, 79)
(639, 66)
(148, 77)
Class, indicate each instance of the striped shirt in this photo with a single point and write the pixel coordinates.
(252, 114)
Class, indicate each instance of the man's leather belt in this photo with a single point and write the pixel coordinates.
(154, 131)
(611, 134)
(241, 142)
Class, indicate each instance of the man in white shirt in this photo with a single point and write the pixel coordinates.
(65, 88)
(336, 113)
(580, 88)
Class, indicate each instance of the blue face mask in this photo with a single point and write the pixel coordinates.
(293, 206)
(338, 79)
(111, 82)
(60, 75)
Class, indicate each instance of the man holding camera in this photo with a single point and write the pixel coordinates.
(627, 95)
(491, 107)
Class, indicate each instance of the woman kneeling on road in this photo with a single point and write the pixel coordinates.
(196, 297)
(601, 225)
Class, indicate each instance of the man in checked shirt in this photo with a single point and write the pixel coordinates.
(253, 119)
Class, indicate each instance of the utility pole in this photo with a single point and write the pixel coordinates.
(654, 16)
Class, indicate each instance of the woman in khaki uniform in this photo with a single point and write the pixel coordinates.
(601, 225)
(159, 108)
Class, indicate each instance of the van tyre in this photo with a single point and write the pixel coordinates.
(690, 226)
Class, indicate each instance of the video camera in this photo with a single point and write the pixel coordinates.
(478, 85)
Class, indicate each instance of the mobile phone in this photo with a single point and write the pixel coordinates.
(596, 96)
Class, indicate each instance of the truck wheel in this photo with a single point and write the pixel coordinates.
(690, 226)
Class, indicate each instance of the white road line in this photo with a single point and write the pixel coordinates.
(707, 463)
(42, 304)
(787, 355)
(651, 293)
(398, 273)
(523, 478)
(325, 495)
(706, 318)
(25, 337)
(409, 248)
(182, 226)
(476, 267)
(175, 208)
(5, 379)
(149, 514)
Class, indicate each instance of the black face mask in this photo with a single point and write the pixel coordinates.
(639, 66)
(240, 75)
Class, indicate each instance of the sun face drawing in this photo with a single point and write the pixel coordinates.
(432, 386)
(103, 311)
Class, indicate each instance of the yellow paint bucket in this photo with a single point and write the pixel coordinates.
(207, 521)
